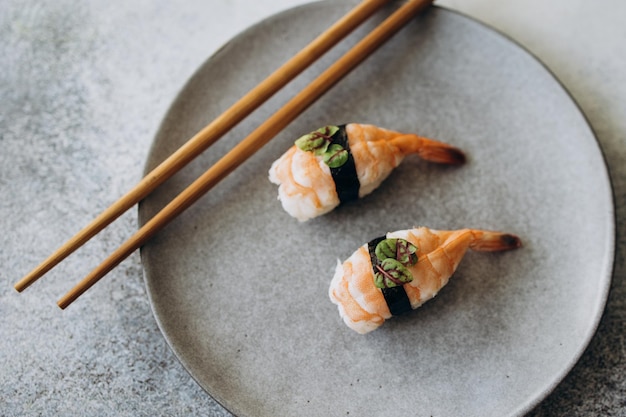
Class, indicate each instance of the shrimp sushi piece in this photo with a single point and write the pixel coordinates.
(397, 273)
(337, 164)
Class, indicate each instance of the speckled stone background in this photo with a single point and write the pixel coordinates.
(83, 87)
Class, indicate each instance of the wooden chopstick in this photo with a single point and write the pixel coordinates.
(253, 142)
(210, 134)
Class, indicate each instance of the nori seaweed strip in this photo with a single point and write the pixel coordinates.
(346, 180)
(396, 298)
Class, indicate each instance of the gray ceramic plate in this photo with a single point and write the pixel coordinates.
(239, 288)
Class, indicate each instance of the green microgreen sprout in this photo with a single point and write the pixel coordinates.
(319, 142)
(335, 156)
(394, 256)
(391, 273)
(405, 252)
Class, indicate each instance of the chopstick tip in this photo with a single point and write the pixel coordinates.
(22, 284)
(70, 297)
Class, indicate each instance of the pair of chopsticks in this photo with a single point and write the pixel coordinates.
(242, 151)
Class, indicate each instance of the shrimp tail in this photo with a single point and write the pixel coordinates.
(430, 150)
(487, 241)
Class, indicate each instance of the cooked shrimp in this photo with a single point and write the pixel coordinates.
(364, 306)
(336, 164)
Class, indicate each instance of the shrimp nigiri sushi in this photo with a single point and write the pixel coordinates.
(336, 164)
(397, 273)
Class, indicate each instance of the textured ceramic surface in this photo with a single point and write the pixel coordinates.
(239, 288)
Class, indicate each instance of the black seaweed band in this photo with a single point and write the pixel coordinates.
(346, 180)
(397, 300)
(396, 297)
